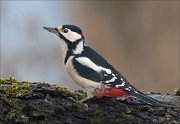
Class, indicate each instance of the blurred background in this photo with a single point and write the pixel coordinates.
(140, 38)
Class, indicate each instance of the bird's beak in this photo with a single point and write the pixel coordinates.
(54, 30)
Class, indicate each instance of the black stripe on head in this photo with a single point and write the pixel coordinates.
(73, 28)
(65, 39)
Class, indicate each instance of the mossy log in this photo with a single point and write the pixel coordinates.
(25, 102)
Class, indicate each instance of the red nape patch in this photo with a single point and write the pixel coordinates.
(114, 92)
(82, 34)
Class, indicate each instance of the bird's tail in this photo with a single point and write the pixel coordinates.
(147, 99)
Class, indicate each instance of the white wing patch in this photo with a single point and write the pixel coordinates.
(88, 63)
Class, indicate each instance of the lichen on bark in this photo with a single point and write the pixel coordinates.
(41, 102)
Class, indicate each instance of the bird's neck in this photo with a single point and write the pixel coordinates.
(77, 47)
(73, 49)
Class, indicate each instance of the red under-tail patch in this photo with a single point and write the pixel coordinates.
(112, 91)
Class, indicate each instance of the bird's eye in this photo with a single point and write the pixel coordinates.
(65, 30)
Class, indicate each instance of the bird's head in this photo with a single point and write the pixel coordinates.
(72, 39)
(68, 33)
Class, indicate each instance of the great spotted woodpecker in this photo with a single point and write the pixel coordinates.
(91, 71)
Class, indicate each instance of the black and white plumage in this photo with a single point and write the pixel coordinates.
(90, 70)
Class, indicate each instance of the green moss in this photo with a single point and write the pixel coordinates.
(119, 120)
(6, 89)
(1, 87)
(177, 91)
(25, 87)
(14, 88)
(129, 116)
(27, 82)
(46, 84)
(80, 95)
(13, 80)
(9, 80)
(1, 80)
(53, 85)
(95, 115)
(97, 111)
(63, 88)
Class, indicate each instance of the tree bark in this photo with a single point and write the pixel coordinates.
(37, 102)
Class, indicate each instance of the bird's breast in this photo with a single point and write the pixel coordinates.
(83, 82)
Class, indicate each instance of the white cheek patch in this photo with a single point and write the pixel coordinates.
(71, 36)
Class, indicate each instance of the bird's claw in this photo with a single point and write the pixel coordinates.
(79, 102)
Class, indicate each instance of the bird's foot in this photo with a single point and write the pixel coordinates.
(85, 99)
(79, 102)
(73, 99)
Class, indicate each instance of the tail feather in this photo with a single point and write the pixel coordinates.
(147, 99)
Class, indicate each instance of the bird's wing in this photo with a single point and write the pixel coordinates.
(92, 66)
(83, 67)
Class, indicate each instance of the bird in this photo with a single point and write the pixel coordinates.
(92, 71)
